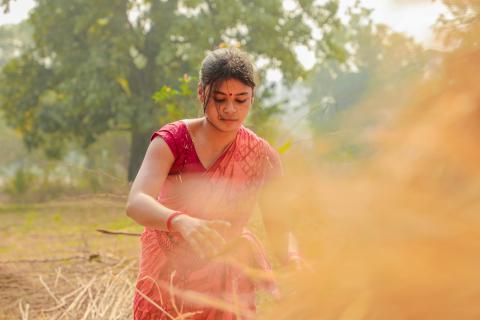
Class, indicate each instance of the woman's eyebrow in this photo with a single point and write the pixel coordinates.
(237, 94)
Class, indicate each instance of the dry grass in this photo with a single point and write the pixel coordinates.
(397, 236)
(106, 295)
(52, 257)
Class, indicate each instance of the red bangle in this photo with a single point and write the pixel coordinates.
(170, 218)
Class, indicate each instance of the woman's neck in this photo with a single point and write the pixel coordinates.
(215, 135)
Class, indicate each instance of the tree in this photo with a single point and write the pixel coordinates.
(460, 28)
(14, 39)
(380, 61)
(96, 63)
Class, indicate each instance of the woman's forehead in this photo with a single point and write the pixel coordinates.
(233, 86)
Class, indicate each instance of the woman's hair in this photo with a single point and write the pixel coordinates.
(223, 64)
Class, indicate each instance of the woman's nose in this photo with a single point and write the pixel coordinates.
(230, 106)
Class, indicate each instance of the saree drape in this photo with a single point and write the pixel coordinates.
(173, 280)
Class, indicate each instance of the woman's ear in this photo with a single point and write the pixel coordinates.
(200, 93)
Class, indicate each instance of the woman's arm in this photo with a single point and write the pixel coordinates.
(142, 205)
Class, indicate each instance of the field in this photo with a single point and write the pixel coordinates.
(53, 259)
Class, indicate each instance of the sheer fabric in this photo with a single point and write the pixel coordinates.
(173, 279)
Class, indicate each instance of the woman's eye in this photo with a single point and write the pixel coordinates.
(223, 100)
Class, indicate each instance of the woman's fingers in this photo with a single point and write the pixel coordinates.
(201, 236)
(211, 240)
(216, 226)
(209, 244)
(219, 224)
(196, 245)
(206, 240)
(216, 239)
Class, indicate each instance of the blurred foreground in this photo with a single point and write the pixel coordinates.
(397, 236)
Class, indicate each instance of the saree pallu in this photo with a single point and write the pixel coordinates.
(173, 280)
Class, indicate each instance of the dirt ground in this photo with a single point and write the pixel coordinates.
(47, 249)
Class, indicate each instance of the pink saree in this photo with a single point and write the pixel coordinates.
(173, 280)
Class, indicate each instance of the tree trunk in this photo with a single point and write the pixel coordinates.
(138, 146)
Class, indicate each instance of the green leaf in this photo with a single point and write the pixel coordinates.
(125, 86)
(285, 147)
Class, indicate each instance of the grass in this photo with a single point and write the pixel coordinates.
(61, 228)
(58, 242)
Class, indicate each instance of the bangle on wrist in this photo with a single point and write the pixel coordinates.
(170, 218)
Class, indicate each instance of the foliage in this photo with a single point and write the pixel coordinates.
(380, 62)
(96, 64)
(458, 29)
(31, 177)
(14, 39)
(6, 5)
(178, 102)
(20, 183)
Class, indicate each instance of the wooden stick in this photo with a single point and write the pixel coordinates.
(119, 233)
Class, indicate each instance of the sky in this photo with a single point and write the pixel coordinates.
(414, 17)
(18, 11)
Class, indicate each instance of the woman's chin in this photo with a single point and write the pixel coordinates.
(229, 125)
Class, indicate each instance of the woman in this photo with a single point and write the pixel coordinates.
(194, 193)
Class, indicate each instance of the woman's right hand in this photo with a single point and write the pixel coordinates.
(201, 234)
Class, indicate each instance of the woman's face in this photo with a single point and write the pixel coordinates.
(229, 104)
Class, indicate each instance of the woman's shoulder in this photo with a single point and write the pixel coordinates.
(175, 128)
(174, 134)
(172, 126)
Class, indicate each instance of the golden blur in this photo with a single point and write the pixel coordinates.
(396, 236)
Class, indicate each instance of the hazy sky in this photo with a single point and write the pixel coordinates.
(414, 17)
(18, 11)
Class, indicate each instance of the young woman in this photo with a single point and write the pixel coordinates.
(194, 193)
